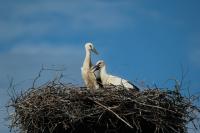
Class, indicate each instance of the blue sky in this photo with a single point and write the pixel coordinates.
(140, 40)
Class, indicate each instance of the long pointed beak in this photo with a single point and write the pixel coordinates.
(95, 68)
(95, 51)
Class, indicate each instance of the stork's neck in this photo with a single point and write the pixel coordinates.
(87, 61)
(103, 73)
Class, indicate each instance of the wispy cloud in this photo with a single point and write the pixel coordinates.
(24, 61)
(46, 49)
(39, 18)
(194, 49)
(195, 56)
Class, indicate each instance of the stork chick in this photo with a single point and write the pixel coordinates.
(108, 79)
(87, 74)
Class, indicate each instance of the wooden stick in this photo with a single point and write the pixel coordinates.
(114, 114)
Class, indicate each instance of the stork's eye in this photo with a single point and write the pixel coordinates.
(90, 46)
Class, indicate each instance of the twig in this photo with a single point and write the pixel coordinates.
(113, 113)
(37, 77)
(158, 107)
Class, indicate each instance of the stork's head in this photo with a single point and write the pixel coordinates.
(89, 46)
(100, 64)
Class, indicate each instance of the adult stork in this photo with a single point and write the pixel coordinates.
(108, 79)
(87, 74)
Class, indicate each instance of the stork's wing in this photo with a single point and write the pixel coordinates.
(119, 81)
(135, 87)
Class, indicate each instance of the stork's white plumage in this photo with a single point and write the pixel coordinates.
(87, 74)
(108, 79)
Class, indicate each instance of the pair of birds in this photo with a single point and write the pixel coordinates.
(101, 78)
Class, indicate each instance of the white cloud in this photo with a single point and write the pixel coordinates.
(47, 49)
(37, 18)
(24, 61)
(44, 18)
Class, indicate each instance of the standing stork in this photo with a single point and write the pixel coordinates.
(86, 71)
(108, 79)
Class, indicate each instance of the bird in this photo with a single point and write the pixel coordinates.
(108, 79)
(88, 75)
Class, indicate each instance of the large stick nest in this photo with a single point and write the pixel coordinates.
(57, 108)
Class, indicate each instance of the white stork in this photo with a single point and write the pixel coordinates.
(108, 79)
(87, 74)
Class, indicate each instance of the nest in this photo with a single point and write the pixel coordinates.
(57, 108)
